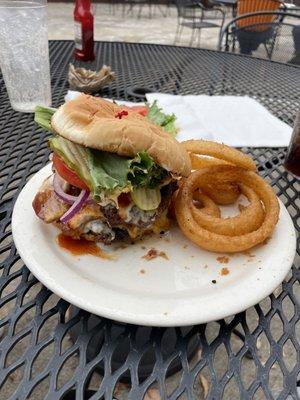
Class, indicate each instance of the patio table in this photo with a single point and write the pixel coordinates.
(50, 350)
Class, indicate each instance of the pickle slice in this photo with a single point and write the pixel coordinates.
(146, 199)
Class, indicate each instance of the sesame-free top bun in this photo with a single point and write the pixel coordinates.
(93, 122)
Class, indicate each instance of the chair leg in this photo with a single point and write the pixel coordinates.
(199, 37)
(227, 39)
(180, 33)
(192, 36)
(169, 9)
(150, 9)
(164, 14)
(267, 51)
(140, 11)
(274, 41)
(234, 40)
(130, 9)
(177, 32)
(223, 20)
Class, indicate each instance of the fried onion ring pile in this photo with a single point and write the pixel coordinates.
(220, 180)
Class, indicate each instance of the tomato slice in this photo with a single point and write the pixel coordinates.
(142, 110)
(67, 173)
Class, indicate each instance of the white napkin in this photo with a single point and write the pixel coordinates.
(235, 121)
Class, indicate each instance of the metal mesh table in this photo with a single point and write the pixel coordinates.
(253, 355)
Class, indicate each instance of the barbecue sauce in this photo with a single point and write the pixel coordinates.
(81, 247)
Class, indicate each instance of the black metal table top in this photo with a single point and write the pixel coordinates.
(253, 355)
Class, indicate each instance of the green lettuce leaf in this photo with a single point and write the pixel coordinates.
(42, 117)
(108, 172)
(166, 121)
(144, 172)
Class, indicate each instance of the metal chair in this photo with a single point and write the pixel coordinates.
(230, 6)
(194, 15)
(112, 6)
(251, 6)
(156, 5)
(276, 37)
(139, 3)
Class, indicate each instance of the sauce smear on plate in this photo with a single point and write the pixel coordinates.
(81, 247)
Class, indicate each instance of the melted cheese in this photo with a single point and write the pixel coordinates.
(162, 223)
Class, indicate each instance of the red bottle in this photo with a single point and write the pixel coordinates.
(84, 31)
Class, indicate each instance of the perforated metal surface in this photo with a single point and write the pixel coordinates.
(37, 358)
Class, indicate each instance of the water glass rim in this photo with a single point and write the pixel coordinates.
(22, 3)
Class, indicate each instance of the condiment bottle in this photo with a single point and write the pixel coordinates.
(84, 31)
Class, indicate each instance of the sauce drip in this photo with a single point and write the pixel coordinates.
(124, 200)
(81, 247)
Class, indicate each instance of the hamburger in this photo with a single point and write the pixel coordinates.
(114, 171)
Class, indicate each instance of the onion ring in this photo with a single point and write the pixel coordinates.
(220, 151)
(209, 240)
(203, 162)
(249, 220)
(208, 206)
(221, 193)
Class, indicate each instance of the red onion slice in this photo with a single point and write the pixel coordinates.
(60, 193)
(80, 201)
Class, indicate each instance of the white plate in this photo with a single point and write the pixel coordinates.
(160, 292)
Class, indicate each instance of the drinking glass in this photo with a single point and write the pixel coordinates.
(292, 161)
(24, 54)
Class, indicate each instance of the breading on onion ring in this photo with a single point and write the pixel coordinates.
(208, 206)
(229, 242)
(205, 154)
(221, 152)
(249, 220)
(203, 202)
(203, 161)
(221, 193)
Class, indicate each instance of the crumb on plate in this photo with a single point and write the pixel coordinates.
(223, 259)
(224, 271)
(163, 255)
(248, 254)
(153, 253)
